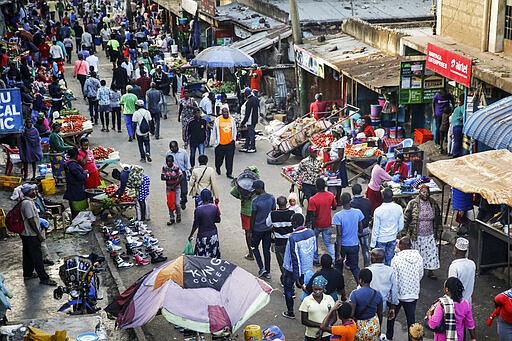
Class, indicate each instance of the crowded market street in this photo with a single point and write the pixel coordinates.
(97, 240)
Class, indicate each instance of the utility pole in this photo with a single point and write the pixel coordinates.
(297, 40)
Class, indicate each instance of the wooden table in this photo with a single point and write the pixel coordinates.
(73, 138)
(361, 171)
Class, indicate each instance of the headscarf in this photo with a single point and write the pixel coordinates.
(206, 195)
(383, 160)
(293, 196)
(320, 281)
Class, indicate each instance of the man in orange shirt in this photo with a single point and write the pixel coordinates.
(346, 330)
(224, 136)
(256, 75)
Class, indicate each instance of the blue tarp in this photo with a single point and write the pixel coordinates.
(492, 125)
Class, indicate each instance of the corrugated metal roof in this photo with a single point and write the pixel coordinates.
(174, 6)
(492, 125)
(262, 40)
(369, 10)
(357, 60)
(337, 49)
(245, 17)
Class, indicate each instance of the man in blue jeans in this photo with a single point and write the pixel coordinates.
(388, 222)
(348, 222)
(298, 259)
(365, 205)
(196, 135)
(262, 205)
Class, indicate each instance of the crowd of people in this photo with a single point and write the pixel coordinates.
(397, 245)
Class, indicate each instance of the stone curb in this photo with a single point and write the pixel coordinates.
(139, 333)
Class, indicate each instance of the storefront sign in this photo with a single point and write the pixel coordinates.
(309, 62)
(418, 84)
(223, 37)
(11, 117)
(449, 64)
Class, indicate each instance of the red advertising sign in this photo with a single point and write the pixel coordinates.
(449, 64)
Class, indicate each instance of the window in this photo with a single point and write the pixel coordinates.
(508, 21)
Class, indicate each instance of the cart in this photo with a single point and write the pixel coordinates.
(73, 138)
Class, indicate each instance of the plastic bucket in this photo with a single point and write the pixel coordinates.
(253, 332)
(375, 122)
(48, 186)
(461, 201)
(375, 110)
(88, 337)
(392, 133)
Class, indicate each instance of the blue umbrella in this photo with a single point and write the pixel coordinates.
(222, 56)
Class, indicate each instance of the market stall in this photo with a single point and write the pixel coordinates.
(103, 202)
(105, 157)
(488, 174)
(74, 127)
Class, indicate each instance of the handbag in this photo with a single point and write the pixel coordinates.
(439, 329)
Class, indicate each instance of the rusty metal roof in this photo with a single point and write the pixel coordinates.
(262, 40)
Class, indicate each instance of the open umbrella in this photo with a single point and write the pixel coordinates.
(222, 56)
(206, 295)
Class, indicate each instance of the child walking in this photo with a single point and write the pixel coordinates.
(171, 174)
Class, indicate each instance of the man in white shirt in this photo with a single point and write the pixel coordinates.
(56, 52)
(383, 279)
(463, 268)
(93, 62)
(141, 118)
(87, 40)
(128, 67)
(388, 222)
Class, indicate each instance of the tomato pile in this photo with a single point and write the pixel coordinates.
(110, 190)
(72, 127)
(322, 140)
(101, 153)
(74, 118)
(350, 150)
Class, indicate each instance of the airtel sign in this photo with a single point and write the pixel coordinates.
(449, 64)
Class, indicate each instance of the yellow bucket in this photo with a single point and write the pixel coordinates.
(253, 333)
(48, 186)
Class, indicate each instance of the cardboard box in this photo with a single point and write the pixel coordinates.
(280, 117)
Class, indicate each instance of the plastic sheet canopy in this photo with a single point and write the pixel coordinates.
(487, 173)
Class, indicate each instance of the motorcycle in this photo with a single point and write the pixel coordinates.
(81, 283)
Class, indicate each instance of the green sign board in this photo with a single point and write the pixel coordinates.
(417, 84)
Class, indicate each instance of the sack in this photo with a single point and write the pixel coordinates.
(189, 249)
(171, 200)
(14, 219)
(144, 126)
(441, 328)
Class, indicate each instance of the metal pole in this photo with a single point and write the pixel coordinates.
(297, 40)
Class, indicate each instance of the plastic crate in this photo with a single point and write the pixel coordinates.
(8, 183)
(422, 135)
(2, 218)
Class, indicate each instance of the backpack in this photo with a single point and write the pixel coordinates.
(144, 126)
(14, 219)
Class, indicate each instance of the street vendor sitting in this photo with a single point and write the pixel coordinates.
(398, 166)
(57, 144)
(366, 127)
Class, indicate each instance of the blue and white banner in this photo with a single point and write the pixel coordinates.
(11, 114)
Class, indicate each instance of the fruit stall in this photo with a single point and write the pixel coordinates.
(104, 157)
(74, 127)
(360, 159)
(103, 202)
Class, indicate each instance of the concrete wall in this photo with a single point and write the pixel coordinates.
(383, 38)
(463, 21)
(267, 9)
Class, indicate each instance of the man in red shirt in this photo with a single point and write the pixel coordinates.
(256, 75)
(4, 58)
(317, 108)
(319, 216)
(398, 166)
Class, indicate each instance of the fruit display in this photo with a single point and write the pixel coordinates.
(322, 140)
(220, 87)
(74, 119)
(110, 190)
(361, 150)
(72, 127)
(101, 153)
(66, 112)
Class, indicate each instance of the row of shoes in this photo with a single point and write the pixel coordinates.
(137, 235)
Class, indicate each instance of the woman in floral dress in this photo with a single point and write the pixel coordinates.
(423, 223)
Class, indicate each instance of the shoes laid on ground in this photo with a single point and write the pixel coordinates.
(34, 275)
(121, 263)
(148, 157)
(154, 248)
(288, 315)
(151, 240)
(262, 273)
(157, 258)
(251, 150)
(111, 247)
(141, 261)
(48, 262)
(48, 281)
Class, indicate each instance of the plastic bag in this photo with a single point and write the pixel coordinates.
(171, 200)
(189, 249)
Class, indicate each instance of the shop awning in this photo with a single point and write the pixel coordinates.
(262, 40)
(172, 6)
(492, 125)
(487, 173)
